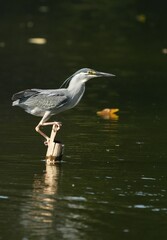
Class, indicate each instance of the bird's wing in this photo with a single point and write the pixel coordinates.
(53, 99)
(44, 99)
(25, 94)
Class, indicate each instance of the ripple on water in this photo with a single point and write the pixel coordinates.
(3, 197)
(75, 198)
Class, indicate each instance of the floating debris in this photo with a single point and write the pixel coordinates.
(109, 113)
(39, 41)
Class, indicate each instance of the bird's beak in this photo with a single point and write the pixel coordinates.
(102, 74)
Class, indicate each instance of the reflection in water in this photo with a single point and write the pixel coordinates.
(44, 213)
(37, 212)
(51, 179)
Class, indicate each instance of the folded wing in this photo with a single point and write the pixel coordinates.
(43, 99)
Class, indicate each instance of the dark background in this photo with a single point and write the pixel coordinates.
(126, 38)
(112, 181)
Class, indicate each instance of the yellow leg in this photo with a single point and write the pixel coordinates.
(44, 123)
(57, 126)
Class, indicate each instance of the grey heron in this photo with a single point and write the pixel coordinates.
(48, 102)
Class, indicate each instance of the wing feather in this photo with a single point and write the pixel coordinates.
(46, 100)
(25, 94)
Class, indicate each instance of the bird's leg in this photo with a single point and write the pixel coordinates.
(56, 127)
(42, 133)
(43, 122)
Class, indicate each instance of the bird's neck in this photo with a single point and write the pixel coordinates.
(76, 85)
(76, 90)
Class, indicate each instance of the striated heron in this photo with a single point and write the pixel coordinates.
(45, 103)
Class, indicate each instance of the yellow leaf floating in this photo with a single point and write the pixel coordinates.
(109, 113)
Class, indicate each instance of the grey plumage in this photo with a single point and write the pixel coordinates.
(38, 101)
(45, 103)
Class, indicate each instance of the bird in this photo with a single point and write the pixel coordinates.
(48, 102)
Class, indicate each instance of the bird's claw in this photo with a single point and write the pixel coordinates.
(46, 143)
(57, 126)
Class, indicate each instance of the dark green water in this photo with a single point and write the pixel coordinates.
(112, 181)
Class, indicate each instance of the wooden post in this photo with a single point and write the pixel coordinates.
(55, 148)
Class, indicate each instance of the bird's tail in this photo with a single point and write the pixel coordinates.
(22, 96)
(15, 103)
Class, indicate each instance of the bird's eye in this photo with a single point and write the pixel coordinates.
(91, 72)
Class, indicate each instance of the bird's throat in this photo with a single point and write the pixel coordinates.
(76, 92)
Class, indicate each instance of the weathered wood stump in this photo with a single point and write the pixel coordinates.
(55, 148)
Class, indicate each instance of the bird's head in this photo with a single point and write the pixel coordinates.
(85, 74)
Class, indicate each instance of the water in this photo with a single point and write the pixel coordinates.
(112, 180)
(111, 183)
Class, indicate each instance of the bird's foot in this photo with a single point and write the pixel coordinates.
(46, 143)
(57, 125)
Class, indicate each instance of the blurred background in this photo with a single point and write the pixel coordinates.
(112, 181)
(127, 38)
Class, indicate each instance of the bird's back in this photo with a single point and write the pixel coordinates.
(23, 95)
(38, 101)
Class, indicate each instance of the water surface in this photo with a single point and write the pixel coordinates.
(111, 183)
